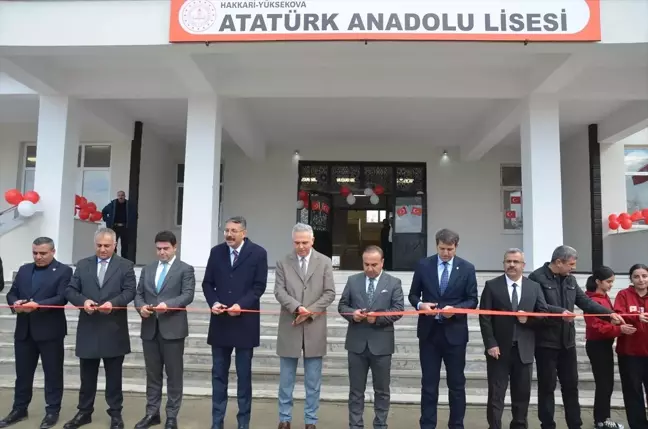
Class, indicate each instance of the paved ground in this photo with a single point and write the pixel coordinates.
(196, 414)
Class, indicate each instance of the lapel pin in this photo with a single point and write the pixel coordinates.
(53, 269)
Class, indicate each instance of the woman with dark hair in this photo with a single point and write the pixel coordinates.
(632, 351)
(599, 336)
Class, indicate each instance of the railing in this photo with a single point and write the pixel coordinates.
(9, 219)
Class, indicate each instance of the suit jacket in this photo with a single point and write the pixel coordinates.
(460, 293)
(43, 324)
(177, 291)
(388, 296)
(243, 283)
(102, 335)
(497, 331)
(316, 292)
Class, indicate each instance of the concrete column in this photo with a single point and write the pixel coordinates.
(57, 146)
(200, 230)
(541, 181)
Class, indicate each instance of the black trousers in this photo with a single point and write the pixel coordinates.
(634, 376)
(561, 364)
(123, 237)
(601, 356)
(359, 366)
(498, 373)
(88, 391)
(27, 353)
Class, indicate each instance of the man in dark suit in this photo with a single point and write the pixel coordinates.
(100, 283)
(370, 339)
(40, 331)
(166, 284)
(235, 279)
(510, 341)
(443, 281)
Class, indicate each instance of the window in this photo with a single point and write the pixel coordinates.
(636, 172)
(93, 178)
(180, 170)
(511, 189)
(376, 216)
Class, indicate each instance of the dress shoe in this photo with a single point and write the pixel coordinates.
(171, 423)
(284, 425)
(116, 422)
(79, 420)
(310, 426)
(14, 416)
(148, 421)
(49, 421)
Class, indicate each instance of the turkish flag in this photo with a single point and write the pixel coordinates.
(417, 211)
(510, 214)
(516, 200)
(402, 211)
(316, 205)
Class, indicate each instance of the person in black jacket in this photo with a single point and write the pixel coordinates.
(40, 331)
(556, 344)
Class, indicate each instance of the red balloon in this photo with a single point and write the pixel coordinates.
(344, 191)
(32, 196)
(84, 214)
(613, 225)
(95, 216)
(379, 189)
(626, 224)
(644, 213)
(303, 195)
(613, 218)
(624, 216)
(13, 197)
(636, 216)
(91, 207)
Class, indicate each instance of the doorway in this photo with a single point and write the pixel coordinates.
(353, 205)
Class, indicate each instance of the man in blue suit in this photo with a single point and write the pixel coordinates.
(235, 279)
(443, 281)
(40, 331)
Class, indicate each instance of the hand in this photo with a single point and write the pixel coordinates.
(234, 310)
(522, 319)
(161, 307)
(106, 307)
(29, 306)
(568, 316)
(371, 319)
(300, 319)
(145, 311)
(447, 315)
(89, 306)
(494, 352)
(18, 305)
(617, 319)
(427, 307)
(303, 311)
(628, 329)
(218, 308)
(643, 318)
(359, 316)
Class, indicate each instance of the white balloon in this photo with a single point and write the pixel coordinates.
(374, 199)
(350, 199)
(26, 208)
(368, 192)
(300, 204)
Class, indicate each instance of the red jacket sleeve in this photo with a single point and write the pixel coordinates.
(602, 327)
(621, 307)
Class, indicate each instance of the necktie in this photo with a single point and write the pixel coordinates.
(371, 290)
(165, 268)
(443, 284)
(514, 306)
(102, 271)
(303, 266)
(235, 252)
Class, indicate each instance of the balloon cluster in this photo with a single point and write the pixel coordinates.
(373, 194)
(25, 204)
(625, 220)
(86, 211)
(302, 200)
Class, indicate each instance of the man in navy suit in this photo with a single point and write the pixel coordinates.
(40, 331)
(443, 281)
(235, 279)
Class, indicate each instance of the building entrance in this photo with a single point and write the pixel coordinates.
(353, 205)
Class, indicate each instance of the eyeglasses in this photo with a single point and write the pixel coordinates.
(232, 231)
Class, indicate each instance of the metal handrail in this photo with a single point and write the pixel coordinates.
(8, 210)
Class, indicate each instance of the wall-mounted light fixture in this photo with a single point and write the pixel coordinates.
(445, 158)
(296, 157)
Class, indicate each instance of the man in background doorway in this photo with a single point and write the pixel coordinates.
(119, 215)
(386, 241)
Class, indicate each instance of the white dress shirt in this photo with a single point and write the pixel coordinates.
(376, 280)
(306, 260)
(509, 283)
(160, 267)
(99, 265)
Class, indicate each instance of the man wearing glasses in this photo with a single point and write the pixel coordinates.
(235, 279)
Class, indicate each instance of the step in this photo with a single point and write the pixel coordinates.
(329, 393)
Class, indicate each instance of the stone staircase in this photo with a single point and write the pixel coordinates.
(406, 375)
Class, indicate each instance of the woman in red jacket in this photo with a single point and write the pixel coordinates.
(632, 350)
(600, 335)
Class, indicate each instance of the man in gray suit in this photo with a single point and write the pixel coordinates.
(304, 287)
(163, 285)
(370, 338)
(99, 284)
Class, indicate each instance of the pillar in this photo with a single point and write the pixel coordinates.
(57, 146)
(541, 181)
(200, 208)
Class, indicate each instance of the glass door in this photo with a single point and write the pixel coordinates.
(320, 218)
(409, 232)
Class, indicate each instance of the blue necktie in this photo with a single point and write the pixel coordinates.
(165, 267)
(443, 284)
